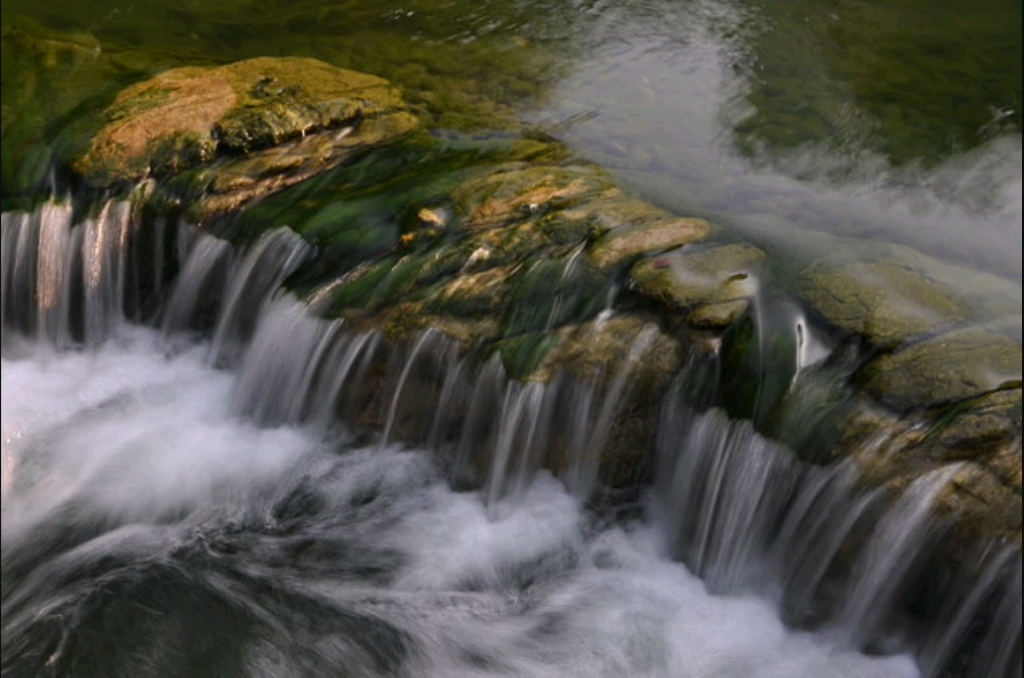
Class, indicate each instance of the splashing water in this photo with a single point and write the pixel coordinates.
(290, 553)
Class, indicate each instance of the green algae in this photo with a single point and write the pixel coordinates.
(914, 81)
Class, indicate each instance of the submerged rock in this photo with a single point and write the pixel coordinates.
(944, 369)
(715, 283)
(891, 293)
(267, 122)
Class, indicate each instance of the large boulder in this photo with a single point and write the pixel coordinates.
(254, 126)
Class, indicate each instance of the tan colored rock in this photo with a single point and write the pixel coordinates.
(474, 294)
(521, 192)
(975, 427)
(890, 293)
(715, 282)
(883, 302)
(944, 369)
(594, 348)
(718, 314)
(632, 240)
(298, 116)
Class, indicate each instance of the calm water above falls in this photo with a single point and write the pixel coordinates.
(896, 121)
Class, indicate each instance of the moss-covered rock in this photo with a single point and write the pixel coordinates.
(593, 349)
(890, 293)
(715, 282)
(268, 122)
(944, 369)
(518, 192)
(972, 428)
(477, 294)
(645, 235)
(884, 302)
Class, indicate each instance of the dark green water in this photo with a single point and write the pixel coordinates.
(897, 119)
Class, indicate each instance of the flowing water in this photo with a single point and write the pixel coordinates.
(173, 508)
(160, 518)
(201, 476)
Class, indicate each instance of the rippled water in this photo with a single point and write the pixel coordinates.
(790, 122)
(147, 529)
(670, 101)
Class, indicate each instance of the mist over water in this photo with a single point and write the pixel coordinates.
(663, 98)
(348, 557)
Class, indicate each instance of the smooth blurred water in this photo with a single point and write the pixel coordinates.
(145, 529)
(668, 100)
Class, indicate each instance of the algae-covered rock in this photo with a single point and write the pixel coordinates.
(890, 293)
(974, 427)
(649, 235)
(475, 294)
(241, 114)
(518, 192)
(943, 369)
(594, 348)
(718, 314)
(884, 302)
(715, 282)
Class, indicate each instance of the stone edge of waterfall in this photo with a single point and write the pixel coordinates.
(74, 284)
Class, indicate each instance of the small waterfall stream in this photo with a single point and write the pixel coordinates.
(473, 486)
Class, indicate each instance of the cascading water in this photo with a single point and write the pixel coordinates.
(212, 507)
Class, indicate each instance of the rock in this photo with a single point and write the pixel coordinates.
(519, 192)
(475, 294)
(982, 503)
(947, 368)
(270, 122)
(719, 314)
(655, 235)
(883, 302)
(718, 281)
(973, 428)
(596, 217)
(593, 349)
(890, 293)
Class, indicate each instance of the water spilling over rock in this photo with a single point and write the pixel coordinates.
(494, 399)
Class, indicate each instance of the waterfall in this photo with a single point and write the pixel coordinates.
(275, 256)
(738, 508)
(897, 542)
(61, 282)
(201, 281)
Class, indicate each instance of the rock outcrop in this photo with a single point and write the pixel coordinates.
(521, 253)
(244, 130)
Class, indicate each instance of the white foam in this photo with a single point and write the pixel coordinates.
(132, 433)
(128, 430)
